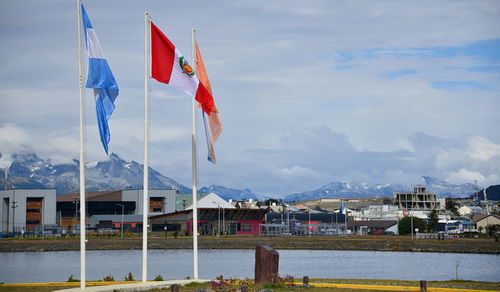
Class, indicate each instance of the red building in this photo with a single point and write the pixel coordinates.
(211, 221)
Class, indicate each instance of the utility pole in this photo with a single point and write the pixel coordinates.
(14, 206)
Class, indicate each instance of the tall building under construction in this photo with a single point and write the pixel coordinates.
(419, 199)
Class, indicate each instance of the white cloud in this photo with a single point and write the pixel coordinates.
(297, 94)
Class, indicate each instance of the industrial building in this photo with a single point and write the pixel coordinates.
(419, 199)
(25, 210)
(127, 202)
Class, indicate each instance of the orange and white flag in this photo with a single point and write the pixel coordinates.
(212, 122)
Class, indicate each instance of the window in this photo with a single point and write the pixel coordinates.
(32, 221)
(33, 210)
(157, 209)
(246, 227)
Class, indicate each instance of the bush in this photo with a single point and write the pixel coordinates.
(71, 279)
(158, 278)
(109, 278)
(129, 277)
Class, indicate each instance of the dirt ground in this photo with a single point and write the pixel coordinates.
(377, 243)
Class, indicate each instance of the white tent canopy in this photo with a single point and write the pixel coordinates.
(212, 201)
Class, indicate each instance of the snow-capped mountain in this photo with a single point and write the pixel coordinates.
(30, 171)
(347, 190)
(364, 190)
(228, 193)
(446, 189)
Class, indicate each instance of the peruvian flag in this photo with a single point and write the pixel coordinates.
(171, 67)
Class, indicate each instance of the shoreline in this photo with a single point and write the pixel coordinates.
(360, 243)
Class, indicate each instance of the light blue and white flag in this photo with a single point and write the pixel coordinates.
(101, 79)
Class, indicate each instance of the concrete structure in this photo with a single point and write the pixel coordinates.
(418, 199)
(27, 209)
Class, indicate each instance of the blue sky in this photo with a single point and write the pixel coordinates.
(309, 93)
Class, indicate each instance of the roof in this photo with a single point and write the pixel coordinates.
(212, 201)
(374, 223)
(323, 217)
(479, 217)
(103, 196)
(213, 214)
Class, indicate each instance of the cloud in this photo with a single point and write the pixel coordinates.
(308, 92)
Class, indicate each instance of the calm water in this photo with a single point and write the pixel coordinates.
(21, 267)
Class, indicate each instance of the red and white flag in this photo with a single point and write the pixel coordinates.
(213, 125)
(171, 67)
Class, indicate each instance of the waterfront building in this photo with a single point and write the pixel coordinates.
(418, 199)
(211, 221)
(25, 210)
(128, 202)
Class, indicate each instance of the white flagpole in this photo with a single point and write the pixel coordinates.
(82, 149)
(145, 201)
(195, 170)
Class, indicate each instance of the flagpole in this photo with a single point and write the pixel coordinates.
(82, 148)
(194, 169)
(146, 150)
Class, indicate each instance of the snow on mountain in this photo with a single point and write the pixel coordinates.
(30, 171)
(365, 190)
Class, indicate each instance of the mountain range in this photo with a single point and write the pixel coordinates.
(364, 190)
(28, 171)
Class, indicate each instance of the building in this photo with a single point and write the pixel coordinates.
(127, 202)
(471, 210)
(26, 210)
(373, 227)
(418, 199)
(484, 220)
(211, 221)
(378, 212)
(113, 223)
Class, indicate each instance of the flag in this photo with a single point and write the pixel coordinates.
(171, 67)
(213, 125)
(101, 79)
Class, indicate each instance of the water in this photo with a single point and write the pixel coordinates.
(25, 267)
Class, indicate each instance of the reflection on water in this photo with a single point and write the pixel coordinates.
(21, 267)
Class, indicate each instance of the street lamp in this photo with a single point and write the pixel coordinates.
(123, 210)
(14, 206)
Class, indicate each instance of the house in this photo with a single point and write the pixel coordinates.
(484, 220)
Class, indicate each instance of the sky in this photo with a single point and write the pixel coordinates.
(309, 92)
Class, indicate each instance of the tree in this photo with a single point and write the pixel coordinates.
(433, 221)
(405, 225)
(452, 206)
(491, 229)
